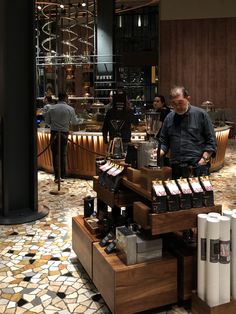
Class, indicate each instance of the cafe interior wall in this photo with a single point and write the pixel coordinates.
(198, 48)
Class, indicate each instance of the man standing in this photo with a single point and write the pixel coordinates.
(188, 134)
(59, 117)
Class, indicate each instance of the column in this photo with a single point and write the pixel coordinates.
(18, 160)
(105, 25)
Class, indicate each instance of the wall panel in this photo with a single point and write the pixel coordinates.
(200, 54)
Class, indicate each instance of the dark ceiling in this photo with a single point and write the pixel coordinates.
(121, 5)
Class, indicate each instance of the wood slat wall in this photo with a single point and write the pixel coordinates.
(201, 55)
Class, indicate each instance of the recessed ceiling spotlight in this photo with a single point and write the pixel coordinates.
(39, 7)
(83, 4)
(62, 6)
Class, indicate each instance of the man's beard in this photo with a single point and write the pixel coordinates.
(183, 112)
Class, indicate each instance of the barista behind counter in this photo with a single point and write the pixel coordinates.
(118, 119)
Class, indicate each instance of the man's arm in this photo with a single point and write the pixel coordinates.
(47, 117)
(210, 138)
(164, 139)
(74, 118)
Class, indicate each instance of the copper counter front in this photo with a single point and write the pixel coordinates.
(84, 147)
(222, 135)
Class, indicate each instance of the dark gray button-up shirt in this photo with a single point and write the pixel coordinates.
(187, 136)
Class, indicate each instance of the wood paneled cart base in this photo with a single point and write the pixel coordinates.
(125, 289)
(134, 288)
(82, 244)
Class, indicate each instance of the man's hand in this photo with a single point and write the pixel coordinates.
(154, 153)
(205, 159)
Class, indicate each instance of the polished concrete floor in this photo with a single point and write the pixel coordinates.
(40, 273)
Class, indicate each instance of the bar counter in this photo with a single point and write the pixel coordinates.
(84, 147)
(222, 135)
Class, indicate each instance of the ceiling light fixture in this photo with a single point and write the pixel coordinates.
(83, 4)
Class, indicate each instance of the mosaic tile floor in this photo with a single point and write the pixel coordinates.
(40, 273)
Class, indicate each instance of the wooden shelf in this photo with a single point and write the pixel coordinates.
(186, 254)
(82, 244)
(134, 288)
(125, 289)
(160, 223)
(137, 188)
(140, 181)
(120, 198)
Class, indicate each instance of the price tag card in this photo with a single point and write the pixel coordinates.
(172, 187)
(159, 189)
(195, 184)
(184, 186)
(206, 183)
(106, 166)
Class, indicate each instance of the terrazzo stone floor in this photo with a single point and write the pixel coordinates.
(40, 273)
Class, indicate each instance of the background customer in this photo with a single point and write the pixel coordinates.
(59, 117)
(48, 102)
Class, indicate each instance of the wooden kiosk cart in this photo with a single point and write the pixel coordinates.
(143, 286)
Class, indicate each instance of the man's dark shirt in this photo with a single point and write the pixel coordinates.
(118, 124)
(187, 136)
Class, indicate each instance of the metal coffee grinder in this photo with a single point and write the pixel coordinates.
(153, 126)
(115, 149)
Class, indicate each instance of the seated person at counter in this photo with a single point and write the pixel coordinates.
(59, 117)
(188, 134)
(118, 120)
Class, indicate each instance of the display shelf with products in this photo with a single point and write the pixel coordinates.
(159, 223)
(103, 85)
(167, 279)
(136, 81)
